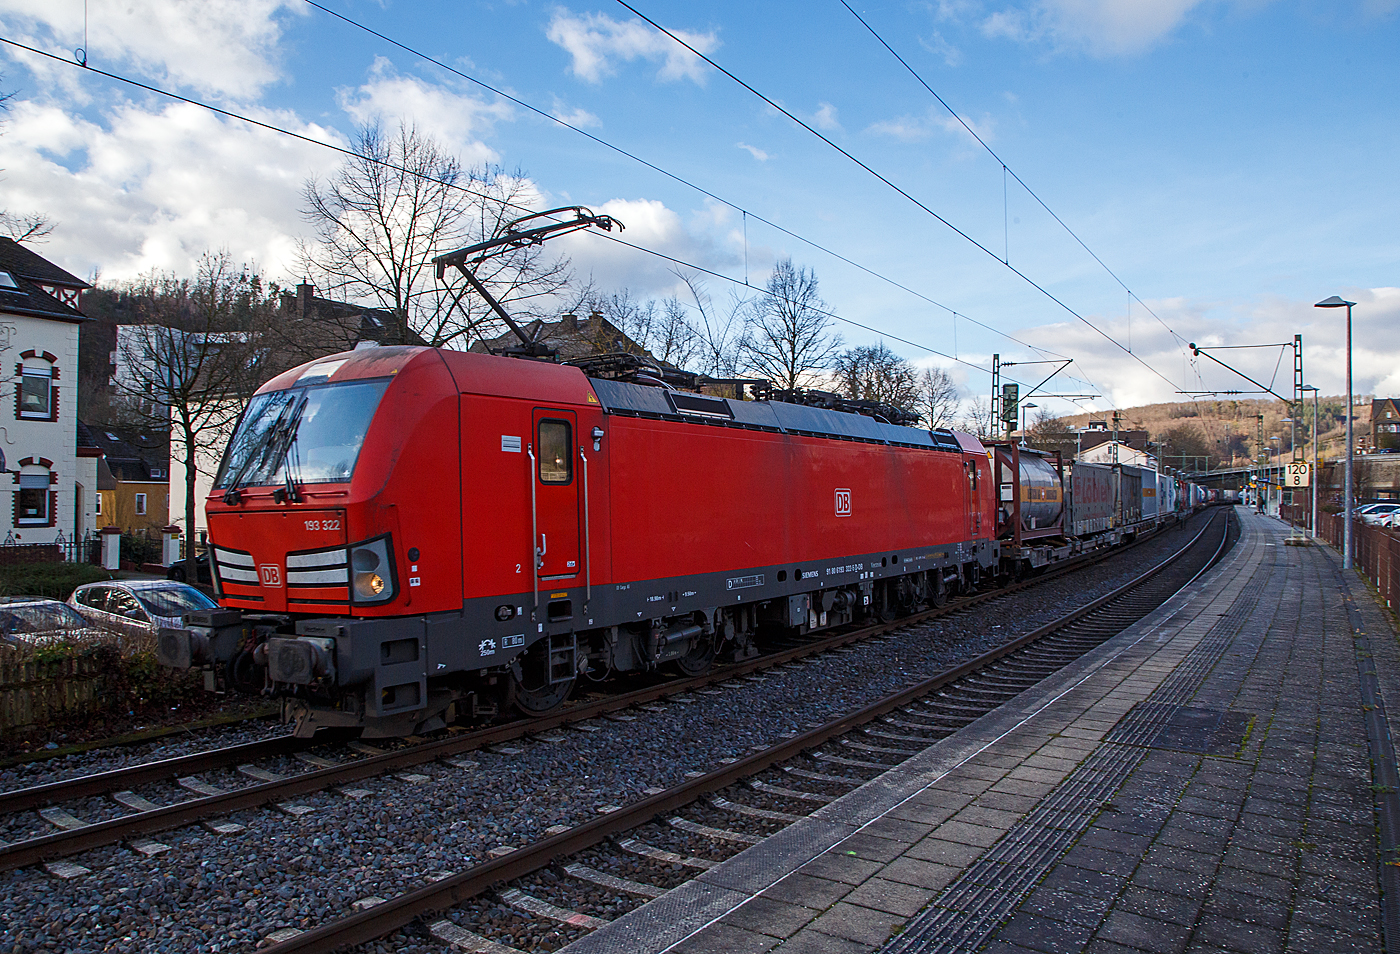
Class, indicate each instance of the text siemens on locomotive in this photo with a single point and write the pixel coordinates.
(400, 536)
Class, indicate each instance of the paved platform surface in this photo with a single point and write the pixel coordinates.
(1202, 782)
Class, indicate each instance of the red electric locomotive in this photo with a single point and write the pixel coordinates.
(401, 535)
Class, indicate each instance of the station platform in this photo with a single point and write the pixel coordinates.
(1218, 777)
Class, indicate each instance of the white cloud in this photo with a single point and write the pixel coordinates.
(1100, 27)
(598, 43)
(457, 120)
(754, 151)
(1126, 383)
(940, 47)
(576, 116)
(155, 189)
(825, 118)
(919, 128)
(226, 47)
(652, 225)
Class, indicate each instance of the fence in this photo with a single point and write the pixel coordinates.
(36, 693)
(85, 549)
(1375, 552)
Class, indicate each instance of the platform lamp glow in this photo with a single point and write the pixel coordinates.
(1338, 302)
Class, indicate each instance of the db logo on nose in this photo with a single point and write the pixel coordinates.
(843, 502)
(270, 573)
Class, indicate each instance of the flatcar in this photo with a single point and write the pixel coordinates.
(403, 536)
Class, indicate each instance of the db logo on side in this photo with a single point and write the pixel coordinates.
(270, 574)
(843, 502)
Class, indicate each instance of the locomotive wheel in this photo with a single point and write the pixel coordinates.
(531, 691)
(698, 661)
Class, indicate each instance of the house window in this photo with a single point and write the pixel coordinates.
(34, 501)
(36, 394)
(99, 505)
(141, 504)
(8, 281)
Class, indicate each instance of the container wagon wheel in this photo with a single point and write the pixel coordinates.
(530, 689)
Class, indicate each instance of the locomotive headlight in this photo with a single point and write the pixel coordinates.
(372, 571)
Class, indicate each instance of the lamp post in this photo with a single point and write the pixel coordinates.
(1338, 302)
(1024, 408)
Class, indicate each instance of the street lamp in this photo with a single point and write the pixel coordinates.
(1338, 302)
(1024, 408)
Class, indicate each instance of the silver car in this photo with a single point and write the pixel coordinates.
(38, 621)
(138, 607)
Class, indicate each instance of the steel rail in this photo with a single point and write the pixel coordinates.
(100, 783)
(98, 834)
(375, 922)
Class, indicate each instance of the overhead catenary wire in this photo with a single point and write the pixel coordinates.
(1005, 169)
(745, 213)
(896, 188)
(350, 153)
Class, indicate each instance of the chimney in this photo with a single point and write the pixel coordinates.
(568, 322)
(304, 292)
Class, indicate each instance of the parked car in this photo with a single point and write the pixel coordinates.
(138, 607)
(1376, 512)
(205, 576)
(38, 621)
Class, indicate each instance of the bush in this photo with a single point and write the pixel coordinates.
(138, 548)
(54, 580)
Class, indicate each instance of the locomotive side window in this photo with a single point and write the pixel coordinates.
(556, 463)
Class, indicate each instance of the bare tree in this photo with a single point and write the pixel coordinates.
(977, 420)
(789, 339)
(719, 329)
(383, 218)
(875, 373)
(938, 398)
(31, 227)
(189, 366)
(22, 227)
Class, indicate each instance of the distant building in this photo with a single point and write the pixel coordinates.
(1385, 424)
(52, 486)
(1117, 452)
(312, 327)
(1098, 432)
(133, 479)
(571, 336)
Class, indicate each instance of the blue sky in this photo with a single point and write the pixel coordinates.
(1231, 162)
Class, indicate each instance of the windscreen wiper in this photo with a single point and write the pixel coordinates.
(290, 490)
(261, 450)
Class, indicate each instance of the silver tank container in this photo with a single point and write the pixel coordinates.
(1042, 497)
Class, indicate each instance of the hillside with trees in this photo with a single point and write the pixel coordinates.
(1224, 431)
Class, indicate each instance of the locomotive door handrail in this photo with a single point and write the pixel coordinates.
(587, 557)
(534, 536)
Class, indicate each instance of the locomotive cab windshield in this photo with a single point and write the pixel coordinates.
(304, 435)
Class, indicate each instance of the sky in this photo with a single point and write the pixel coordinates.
(1150, 173)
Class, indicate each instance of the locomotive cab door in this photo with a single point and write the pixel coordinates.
(556, 493)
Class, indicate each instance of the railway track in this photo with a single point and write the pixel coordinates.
(543, 895)
(298, 770)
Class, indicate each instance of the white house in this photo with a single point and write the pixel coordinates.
(52, 488)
